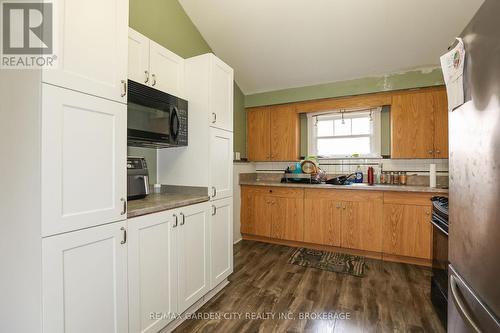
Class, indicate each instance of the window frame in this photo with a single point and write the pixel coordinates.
(375, 131)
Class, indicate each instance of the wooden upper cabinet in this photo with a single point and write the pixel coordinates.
(273, 133)
(440, 100)
(419, 124)
(259, 134)
(285, 133)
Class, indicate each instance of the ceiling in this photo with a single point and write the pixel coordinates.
(278, 44)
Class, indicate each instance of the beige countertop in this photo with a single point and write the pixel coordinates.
(158, 202)
(364, 186)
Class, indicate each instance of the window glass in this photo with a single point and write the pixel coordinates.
(343, 146)
(325, 128)
(361, 126)
(342, 127)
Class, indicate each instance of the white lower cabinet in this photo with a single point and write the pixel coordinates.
(193, 254)
(152, 272)
(84, 281)
(221, 241)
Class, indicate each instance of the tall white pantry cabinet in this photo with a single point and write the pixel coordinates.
(63, 202)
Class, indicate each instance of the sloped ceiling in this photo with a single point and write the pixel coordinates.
(278, 44)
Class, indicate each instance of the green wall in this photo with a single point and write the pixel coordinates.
(406, 80)
(166, 22)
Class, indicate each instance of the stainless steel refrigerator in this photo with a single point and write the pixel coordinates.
(474, 199)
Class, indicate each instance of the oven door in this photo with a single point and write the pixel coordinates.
(439, 281)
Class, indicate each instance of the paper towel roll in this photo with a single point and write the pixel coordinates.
(432, 175)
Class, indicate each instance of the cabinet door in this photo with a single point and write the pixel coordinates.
(193, 237)
(322, 219)
(221, 163)
(259, 134)
(84, 151)
(221, 241)
(221, 95)
(407, 230)
(412, 125)
(167, 70)
(84, 281)
(362, 225)
(152, 272)
(440, 124)
(92, 47)
(287, 214)
(285, 133)
(255, 212)
(138, 57)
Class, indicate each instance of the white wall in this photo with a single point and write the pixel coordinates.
(237, 169)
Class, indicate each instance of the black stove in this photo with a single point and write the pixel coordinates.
(439, 281)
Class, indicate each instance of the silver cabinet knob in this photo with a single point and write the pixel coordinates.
(430, 152)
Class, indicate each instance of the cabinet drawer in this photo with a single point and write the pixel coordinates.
(276, 191)
(419, 199)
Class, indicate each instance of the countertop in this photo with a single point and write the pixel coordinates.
(364, 186)
(158, 202)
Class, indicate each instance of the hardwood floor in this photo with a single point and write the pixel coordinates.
(391, 297)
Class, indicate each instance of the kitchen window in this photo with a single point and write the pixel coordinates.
(342, 133)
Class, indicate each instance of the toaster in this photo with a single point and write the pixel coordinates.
(137, 178)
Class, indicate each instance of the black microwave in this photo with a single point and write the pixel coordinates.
(155, 119)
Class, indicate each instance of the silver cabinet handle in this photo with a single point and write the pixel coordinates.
(430, 152)
(214, 191)
(183, 218)
(124, 239)
(147, 76)
(438, 151)
(461, 307)
(214, 117)
(153, 76)
(124, 210)
(214, 210)
(124, 86)
(176, 220)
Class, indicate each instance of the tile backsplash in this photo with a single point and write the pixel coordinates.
(344, 166)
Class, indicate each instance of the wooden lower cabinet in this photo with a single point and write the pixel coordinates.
(391, 225)
(273, 212)
(407, 230)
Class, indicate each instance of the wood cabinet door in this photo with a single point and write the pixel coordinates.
(362, 223)
(285, 133)
(84, 281)
(440, 123)
(138, 57)
(84, 156)
(221, 241)
(167, 70)
(221, 95)
(193, 246)
(407, 230)
(92, 47)
(221, 163)
(258, 134)
(152, 271)
(322, 219)
(255, 212)
(287, 216)
(412, 125)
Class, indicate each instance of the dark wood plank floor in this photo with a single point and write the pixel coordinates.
(390, 298)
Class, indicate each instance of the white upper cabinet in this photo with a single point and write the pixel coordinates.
(193, 254)
(166, 69)
(209, 83)
(221, 241)
(152, 271)
(84, 281)
(138, 57)
(91, 47)
(151, 64)
(221, 95)
(84, 151)
(221, 164)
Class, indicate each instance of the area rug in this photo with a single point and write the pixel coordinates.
(329, 261)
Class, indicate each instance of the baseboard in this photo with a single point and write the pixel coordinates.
(195, 307)
(367, 254)
(239, 240)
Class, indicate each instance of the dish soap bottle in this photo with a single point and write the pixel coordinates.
(359, 175)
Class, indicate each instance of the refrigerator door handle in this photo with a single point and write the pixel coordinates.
(461, 306)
